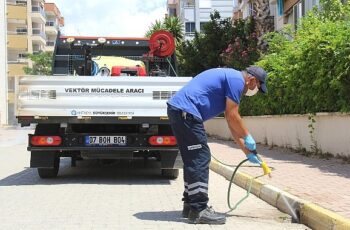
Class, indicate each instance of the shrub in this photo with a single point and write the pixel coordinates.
(309, 69)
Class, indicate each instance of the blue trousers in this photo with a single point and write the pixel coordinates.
(192, 141)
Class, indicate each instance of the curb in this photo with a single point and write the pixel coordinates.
(304, 211)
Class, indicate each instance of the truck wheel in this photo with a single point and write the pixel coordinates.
(50, 172)
(170, 173)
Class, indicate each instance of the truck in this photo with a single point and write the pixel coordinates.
(106, 99)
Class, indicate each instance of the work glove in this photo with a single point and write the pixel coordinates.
(249, 142)
(253, 158)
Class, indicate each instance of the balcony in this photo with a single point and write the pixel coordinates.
(39, 36)
(188, 4)
(18, 61)
(38, 14)
(51, 28)
(50, 46)
(17, 12)
(51, 10)
(17, 40)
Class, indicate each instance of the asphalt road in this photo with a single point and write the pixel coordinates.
(118, 195)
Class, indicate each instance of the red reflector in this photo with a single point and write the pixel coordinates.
(162, 140)
(46, 140)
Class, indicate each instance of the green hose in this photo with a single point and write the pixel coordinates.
(233, 207)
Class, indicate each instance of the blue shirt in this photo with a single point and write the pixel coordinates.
(205, 95)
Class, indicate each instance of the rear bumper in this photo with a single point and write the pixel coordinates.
(76, 142)
(59, 148)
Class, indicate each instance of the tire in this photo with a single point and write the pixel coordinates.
(45, 173)
(170, 173)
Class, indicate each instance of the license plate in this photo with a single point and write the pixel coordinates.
(105, 140)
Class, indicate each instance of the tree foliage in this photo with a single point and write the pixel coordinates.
(309, 69)
(204, 50)
(171, 24)
(42, 64)
(220, 44)
(242, 50)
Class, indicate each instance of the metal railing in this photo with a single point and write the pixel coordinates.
(50, 43)
(39, 32)
(51, 23)
(37, 51)
(38, 9)
(17, 32)
(17, 61)
(17, 3)
(190, 34)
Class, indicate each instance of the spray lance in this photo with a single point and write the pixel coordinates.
(266, 169)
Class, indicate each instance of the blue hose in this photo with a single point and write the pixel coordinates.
(95, 68)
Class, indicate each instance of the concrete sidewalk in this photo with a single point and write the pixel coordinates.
(321, 181)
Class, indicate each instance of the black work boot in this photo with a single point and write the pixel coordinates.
(186, 210)
(206, 216)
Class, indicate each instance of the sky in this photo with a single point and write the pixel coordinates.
(117, 18)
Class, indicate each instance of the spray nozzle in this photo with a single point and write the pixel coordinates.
(266, 169)
(264, 166)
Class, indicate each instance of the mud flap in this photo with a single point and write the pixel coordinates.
(42, 159)
(171, 160)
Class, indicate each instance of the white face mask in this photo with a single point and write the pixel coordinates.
(251, 92)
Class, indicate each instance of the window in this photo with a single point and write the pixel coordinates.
(202, 25)
(21, 30)
(189, 3)
(190, 27)
(172, 12)
(299, 12)
(50, 43)
(21, 3)
(50, 23)
(22, 55)
(251, 9)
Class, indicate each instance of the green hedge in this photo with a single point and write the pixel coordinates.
(308, 70)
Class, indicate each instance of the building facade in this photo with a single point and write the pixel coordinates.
(291, 11)
(54, 21)
(283, 11)
(3, 65)
(32, 26)
(195, 13)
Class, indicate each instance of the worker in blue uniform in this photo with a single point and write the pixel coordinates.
(207, 95)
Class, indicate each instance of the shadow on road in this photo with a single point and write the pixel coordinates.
(93, 172)
(168, 216)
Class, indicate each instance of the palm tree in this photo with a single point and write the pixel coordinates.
(174, 26)
(158, 25)
(171, 24)
(264, 20)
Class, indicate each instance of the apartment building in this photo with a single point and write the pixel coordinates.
(54, 21)
(283, 11)
(195, 13)
(32, 26)
(291, 11)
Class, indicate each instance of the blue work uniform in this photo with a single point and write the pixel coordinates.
(203, 98)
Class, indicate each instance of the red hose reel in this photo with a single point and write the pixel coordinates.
(161, 44)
